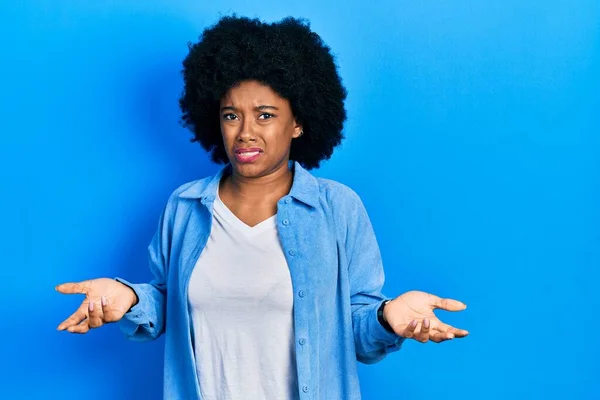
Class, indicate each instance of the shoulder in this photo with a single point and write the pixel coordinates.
(338, 195)
(345, 209)
(188, 190)
(192, 188)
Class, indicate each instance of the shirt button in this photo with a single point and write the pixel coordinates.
(288, 200)
(292, 252)
(302, 341)
(302, 293)
(305, 389)
(286, 221)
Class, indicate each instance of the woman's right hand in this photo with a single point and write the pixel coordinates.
(106, 300)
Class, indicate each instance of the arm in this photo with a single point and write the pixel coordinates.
(146, 319)
(365, 268)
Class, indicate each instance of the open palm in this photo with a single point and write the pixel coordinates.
(106, 300)
(411, 316)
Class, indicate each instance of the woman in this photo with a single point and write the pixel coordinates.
(267, 280)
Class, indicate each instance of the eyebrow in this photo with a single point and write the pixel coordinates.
(257, 108)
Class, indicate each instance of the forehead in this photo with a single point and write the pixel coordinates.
(252, 93)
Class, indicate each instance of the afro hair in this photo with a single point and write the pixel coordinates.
(286, 56)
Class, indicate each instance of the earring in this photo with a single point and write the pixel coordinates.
(301, 133)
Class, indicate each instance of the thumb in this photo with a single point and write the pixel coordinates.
(449, 304)
(73, 287)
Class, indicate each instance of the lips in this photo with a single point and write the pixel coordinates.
(247, 155)
(248, 150)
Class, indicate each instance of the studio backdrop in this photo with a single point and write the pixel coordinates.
(473, 138)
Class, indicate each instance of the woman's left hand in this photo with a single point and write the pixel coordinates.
(411, 316)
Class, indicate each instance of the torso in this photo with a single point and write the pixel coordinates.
(241, 299)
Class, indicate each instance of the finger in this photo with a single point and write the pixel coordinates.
(439, 337)
(447, 304)
(423, 335)
(447, 331)
(409, 331)
(74, 319)
(95, 315)
(83, 327)
(73, 287)
(445, 328)
(108, 313)
(459, 333)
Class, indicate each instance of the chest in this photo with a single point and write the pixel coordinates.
(250, 213)
(253, 215)
(240, 266)
(307, 243)
(242, 274)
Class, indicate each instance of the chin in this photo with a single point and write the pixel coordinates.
(248, 170)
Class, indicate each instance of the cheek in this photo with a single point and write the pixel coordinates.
(277, 139)
(227, 135)
(281, 134)
(282, 144)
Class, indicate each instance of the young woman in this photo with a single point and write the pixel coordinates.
(267, 280)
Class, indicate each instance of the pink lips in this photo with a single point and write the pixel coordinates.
(247, 155)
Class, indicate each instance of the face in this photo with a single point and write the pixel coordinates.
(258, 128)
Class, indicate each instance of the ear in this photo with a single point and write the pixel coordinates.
(298, 130)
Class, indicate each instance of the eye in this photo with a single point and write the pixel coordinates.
(229, 117)
(266, 116)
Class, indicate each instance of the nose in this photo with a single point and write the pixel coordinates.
(246, 133)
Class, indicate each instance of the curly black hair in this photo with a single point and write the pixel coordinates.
(286, 56)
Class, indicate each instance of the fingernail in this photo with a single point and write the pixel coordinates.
(413, 323)
(91, 306)
(426, 323)
(104, 302)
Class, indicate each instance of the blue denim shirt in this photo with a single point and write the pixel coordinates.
(336, 271)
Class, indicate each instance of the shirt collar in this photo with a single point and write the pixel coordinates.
(305, 186)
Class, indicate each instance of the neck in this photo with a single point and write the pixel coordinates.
(270, 187)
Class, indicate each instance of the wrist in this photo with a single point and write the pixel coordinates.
(135, 299)
(133, 295)
(382, 318)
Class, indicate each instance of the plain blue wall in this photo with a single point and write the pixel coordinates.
(473, 138)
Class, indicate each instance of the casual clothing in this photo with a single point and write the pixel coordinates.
(241, 300)
(336, 275)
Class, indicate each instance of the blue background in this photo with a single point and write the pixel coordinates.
(473, 138)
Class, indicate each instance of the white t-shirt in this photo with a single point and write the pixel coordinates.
(240, 296)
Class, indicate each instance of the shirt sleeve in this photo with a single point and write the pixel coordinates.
(365, 268)
(146, 320)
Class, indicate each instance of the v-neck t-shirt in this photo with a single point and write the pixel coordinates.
(241, 302)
